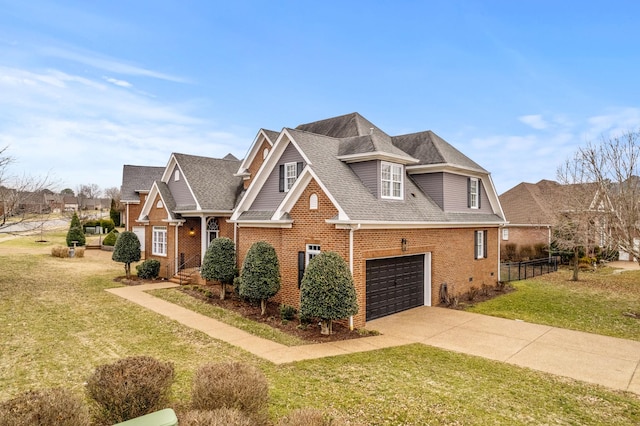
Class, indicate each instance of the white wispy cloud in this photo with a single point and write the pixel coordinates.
(536, 121)
(117, 82)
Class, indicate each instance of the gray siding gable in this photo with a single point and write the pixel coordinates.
(432, 184)
(270, 197)
(369, 174)
(449, 191)
(180, 190)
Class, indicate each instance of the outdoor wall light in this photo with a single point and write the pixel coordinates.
(192, 232)
(403, 243)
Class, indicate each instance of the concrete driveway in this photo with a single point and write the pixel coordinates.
(592, 358)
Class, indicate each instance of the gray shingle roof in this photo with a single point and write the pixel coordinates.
(344, 126)
(430, 149)
(169, 202)
(272, 135)
(136, 179)
(212, 181)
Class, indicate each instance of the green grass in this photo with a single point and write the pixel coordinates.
(227, 317)
(595, 304)
(57, 324)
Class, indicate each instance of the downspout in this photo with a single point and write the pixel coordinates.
(499, 248)
(127, 227)
(175, 250)
(351, 231)
(203, 238)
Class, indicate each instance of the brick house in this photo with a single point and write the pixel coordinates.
(186, 208)
(407, 213)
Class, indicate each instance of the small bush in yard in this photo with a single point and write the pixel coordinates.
(130, 388)
(219, 263)
(260, 278)
(127, 250)
(231, 385)
(287, 312)
(219, 417)
(149, 269)
(309, 417)
(110, 239)
(43, 408)
(59, 251)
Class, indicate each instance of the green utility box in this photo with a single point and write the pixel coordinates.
(166, 417)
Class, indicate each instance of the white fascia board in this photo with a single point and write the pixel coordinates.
(410, 225)
(253, 151)
(298, 188)
(149, 204)
(205, 213)
(166, 176)
(262, 223)
(493, 196)
(167, 170)
(265, 170)
(378, 155)
(446, 167)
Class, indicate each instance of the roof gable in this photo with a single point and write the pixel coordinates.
(343, 126)
(137, 179)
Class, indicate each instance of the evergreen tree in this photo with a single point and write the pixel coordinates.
(327, 290)
(220, 263)
(75, 232)
(260, 278)
(114, 214)
(127, 250)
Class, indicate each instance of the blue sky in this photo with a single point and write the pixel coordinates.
(86, 87)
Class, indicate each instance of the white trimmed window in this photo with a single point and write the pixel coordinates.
(213, 230)
(176, 175)
(474, 193)
(159, 242)
(391, 180)
(290, 175)
(312, 251)
(313, 202)
(480, 249)
(505, 234)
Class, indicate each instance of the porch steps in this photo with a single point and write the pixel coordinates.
(186, 276)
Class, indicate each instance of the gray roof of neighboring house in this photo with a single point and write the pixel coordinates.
(212, 181)
(430, 149)
(357, 201)
(136, 179)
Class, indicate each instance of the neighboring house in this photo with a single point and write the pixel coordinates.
(54, 201)
(528, 209)
(408, 213)
(136, 183)
(186, 208)
(70, 203)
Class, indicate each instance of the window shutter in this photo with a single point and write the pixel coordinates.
(281, 178)
(299, 168)
(475, 244)
(301, 261)
(479, 194)
(484, 241)
(469, 192)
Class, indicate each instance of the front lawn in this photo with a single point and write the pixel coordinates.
(602, 302)
(57, 324)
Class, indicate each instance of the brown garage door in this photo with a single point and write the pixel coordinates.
(394, 284)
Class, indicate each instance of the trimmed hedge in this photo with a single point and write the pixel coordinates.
(149, 269)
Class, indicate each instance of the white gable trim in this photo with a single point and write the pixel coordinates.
(253, 152)
(167, 175)
(378, 155)
(447, 167)
(298, 188)
(150, 204)
(265, 170)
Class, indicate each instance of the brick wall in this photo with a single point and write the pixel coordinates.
(529, 235)
(452, 250)
(134, 213)
(256, 163)
(157, 217)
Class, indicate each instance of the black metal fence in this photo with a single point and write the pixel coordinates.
(515, 271)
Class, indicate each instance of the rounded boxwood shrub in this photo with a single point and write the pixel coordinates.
(43, 408)
(260, 277)
(110, 239)
(149, 269)
(130, 388)
(219, 263)
(127, 250)
(231, 385)
(219, 417)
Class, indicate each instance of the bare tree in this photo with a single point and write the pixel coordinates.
(113, 193)
(613, 165)
(19, 195)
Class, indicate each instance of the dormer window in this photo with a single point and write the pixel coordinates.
(473, 196)
(391, 176)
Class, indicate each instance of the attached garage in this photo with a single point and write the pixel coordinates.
(396, 284)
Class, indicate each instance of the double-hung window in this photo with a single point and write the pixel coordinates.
(480, 244)
(159, 242)
(473, 196)
(391, 180)
(289, 172)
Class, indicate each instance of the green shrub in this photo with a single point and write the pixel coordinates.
(114, 214)
(75, 232)
(110, 239)
(127, 250)
(219, 417)
(287, 312)
(130, 387)
(90, 224)
(219, 263)
(149, 269)
(43, 408)
(260, 274)
(231, 385)
(309, 417)
(107, 224)
(327, 291)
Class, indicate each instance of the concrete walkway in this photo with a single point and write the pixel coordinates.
(607, 361)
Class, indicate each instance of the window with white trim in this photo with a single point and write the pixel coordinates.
(480, 244)
(391, 177)
(474, 193)
(505, 234)
(290, 175)
(212, 230)
(313, 202)
(176, 175)
(159, 241)
(312, 251)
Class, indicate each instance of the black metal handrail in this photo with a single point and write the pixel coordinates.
(180, 264)
(515, 271)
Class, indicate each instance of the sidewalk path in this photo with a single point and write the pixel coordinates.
(607, 361)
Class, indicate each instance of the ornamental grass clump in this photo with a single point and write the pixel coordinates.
(232, 385)
(130, 388)
(219, 417)
(45, 407)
